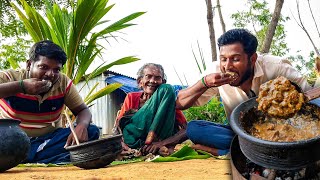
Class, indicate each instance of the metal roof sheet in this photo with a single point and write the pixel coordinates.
(129, 84)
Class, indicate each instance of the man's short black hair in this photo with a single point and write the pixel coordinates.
(48, 49)
(243, 36)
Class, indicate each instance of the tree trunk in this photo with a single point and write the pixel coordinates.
(211, 30)
(272, 27)
(223, 25)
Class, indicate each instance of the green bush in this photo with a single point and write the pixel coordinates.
(213, 111)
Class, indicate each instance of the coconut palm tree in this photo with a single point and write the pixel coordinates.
(75, 32)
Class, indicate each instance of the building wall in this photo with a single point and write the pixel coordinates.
(105, 108)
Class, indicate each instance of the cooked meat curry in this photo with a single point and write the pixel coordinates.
(279, 98)
(286, 117)
(301, 126)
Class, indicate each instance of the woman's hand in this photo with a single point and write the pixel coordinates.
(151, 148)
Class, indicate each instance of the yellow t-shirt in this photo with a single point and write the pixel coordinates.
(38, 114)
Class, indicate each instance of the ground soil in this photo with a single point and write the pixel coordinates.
(199, 169)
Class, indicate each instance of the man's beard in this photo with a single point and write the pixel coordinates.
(246, 75)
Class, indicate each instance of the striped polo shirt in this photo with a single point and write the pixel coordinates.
(38, 114)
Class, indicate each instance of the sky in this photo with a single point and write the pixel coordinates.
(170, 29)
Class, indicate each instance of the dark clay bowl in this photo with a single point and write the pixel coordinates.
(96, 154)
(276, 155)
(14, 144)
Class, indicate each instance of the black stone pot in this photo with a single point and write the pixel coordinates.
(96, 154)
(14, 144)
(275, 155)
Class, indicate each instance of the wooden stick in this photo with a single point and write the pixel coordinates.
(312, 94)
(71, 127)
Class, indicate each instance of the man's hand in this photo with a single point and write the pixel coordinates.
(83, 119)
(218, 79)
(82, 134)
(36, 86)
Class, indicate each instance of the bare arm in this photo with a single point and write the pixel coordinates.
(28, 86)
(83, 114)
(83, 119)
(187, 97)
(179, 137)
(10, 89)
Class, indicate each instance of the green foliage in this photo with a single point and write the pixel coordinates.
(213, 111)
(13, 46)
(258, 17)
(203, 63)
(10, 24)
(76, 32)
(305, 67)
(13, 53)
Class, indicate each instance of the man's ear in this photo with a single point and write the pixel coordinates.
(28, 65)
(253, 58)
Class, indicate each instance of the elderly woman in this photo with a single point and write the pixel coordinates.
(149, 119)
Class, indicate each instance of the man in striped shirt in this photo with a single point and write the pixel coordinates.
(37, 96)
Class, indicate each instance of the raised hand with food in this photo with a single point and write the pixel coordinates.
(219, 79)
(34, 86)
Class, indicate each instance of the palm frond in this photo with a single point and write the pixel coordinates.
(121, 61)
(102, 92)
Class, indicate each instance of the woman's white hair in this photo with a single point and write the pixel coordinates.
(140, 72)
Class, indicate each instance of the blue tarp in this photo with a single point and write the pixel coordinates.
(129, 84)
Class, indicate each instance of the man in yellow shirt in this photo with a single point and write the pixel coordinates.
(37, 96)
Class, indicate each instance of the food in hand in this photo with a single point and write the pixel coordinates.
(49, 83)
(232, 74)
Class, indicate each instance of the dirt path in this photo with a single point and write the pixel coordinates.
(200, 169)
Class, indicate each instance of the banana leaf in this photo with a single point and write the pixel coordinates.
(185, 153)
